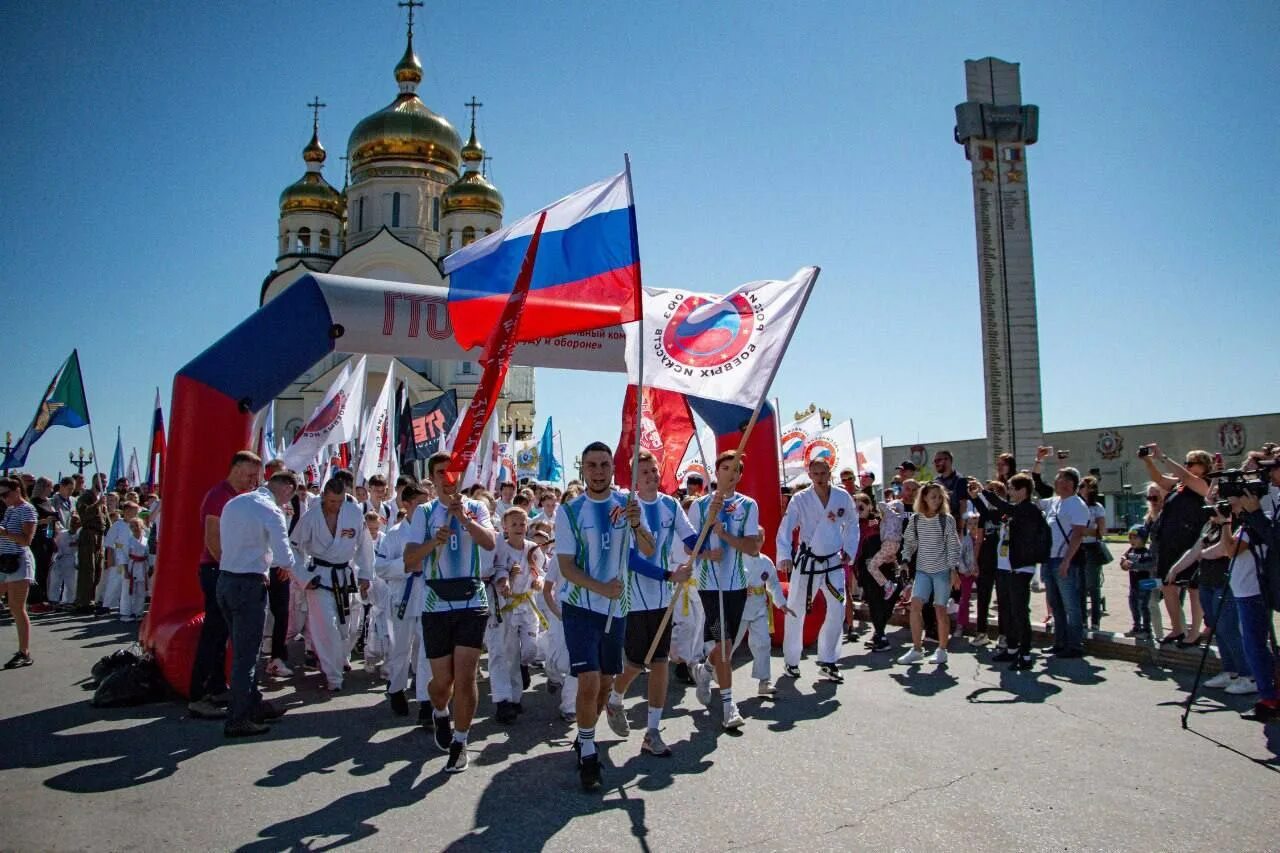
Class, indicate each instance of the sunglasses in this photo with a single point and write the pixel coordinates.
(1153, 498)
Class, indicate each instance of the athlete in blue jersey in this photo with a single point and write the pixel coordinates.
(722, 576)
(597, 537)
(673, 536)
(453, 538)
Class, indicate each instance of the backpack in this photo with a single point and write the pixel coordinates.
(1043, 540)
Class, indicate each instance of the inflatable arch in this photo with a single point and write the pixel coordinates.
(217, 393)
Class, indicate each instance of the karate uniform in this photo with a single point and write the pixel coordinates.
(826, 532)
(377, 638)
(512, 642)
(62, 574)
(350, 548)
(404, 595)
(133, 586)
(555, 654)
(764, 592)
(115, 543)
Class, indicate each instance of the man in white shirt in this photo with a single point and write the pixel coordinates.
(334, 555)
(1068, 517)
(828, 525)
(253, 538)
(405, 591)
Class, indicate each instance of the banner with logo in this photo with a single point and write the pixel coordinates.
(871, 457)
(724, 348)
(335, 420)
(375, 440)
(793, 438)
(431, 422)
(666, 430)
(835, 445)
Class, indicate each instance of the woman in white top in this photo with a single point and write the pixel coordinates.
(17, 565)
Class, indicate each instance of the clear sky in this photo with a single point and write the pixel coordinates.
(143, 148)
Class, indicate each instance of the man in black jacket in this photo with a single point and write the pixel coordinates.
(1020, 549)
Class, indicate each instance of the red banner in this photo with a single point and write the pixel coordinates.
(666, 428)
(495, 361)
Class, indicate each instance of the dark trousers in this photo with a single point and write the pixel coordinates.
(881, 608)
(1138, 600)
(242, 599)
(278, 596)
(208, 671)
(42, 551)
(88, 567)
(1091, 590)
(1015, 609)
(987, 583)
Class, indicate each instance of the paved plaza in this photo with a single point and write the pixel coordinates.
(1081, 755)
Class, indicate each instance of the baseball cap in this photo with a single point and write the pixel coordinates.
(909, 465)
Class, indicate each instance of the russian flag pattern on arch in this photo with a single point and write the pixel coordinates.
(586, 274)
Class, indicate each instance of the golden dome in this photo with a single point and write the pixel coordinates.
(471, 192)
(405, 129)
(314, 152)
(311, 193)
(473, 151)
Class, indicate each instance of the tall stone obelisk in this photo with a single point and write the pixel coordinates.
(995, 128)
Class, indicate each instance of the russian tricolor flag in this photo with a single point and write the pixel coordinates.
(586, 274)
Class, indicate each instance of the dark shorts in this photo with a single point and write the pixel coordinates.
(734, 601)
(444, 632)
(642, 627)
(590, 648)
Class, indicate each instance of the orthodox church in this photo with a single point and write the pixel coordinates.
(414, 194)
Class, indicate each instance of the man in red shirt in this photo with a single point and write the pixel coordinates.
(208, 672)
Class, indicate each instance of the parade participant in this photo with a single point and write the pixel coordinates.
(133, 572)
(208, 681)
(334, 558)
(405, 592)
(92, 510)
(828, 524)
(506, 497)
(377, 500)
(592, 536)
(722, 576)
(764, 592)
(62, 574)
(116, 546)
(373, 628)
(512, 635)
(673, 535)
(694, 486)
(555, 653)
(454, 536)
(931, 538)
(252, 539)
(17, 564)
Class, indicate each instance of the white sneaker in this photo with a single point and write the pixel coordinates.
(939, 656)
(913, 656)
(1220, 680)
(733, 719)
(1242, 686)
(702, 680)
(766, 688)
(278, 668)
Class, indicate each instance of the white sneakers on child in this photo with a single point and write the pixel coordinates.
(1222, 679)
(912, 656)
(1242, 686)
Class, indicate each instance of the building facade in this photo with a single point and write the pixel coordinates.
(415, 192)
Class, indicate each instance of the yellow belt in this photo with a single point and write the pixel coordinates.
(525, 597)
(688, 585)
(768, 605)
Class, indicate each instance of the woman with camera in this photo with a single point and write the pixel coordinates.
(1246, 556)
(17, 565)
(1176, 532)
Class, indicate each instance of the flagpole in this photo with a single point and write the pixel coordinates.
(93, 447)
(560, 439)
(777, 428)
(635, 456)
(857, 466)
(742, 445)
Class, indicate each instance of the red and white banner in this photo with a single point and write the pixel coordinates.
(335, 420)
(376, 446)
(666, 430)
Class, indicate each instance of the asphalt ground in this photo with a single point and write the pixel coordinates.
(1076, 755)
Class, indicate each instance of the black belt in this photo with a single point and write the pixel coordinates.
(805, 564)
(340, 590)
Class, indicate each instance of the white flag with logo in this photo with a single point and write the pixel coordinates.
(334, 421)
(376, 440)
(793, 438)
(835, 445)
(723, 348)
(871, 457)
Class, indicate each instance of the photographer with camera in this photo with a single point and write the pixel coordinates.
(1176, 532)
(1063, 573)
(1248, 551)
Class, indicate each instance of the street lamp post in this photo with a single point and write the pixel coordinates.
(7, 449)
(82, 462)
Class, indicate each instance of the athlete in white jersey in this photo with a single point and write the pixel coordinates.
(722, 577)
(597, 534)
(334, 558)
(828, 525)
(405, 593)
(454, 536)
(649, 598)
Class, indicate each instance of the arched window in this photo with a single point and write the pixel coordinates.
(395, 210)
(468, 235)
(325, 245)
(360, 215)
(304, 240)
(435, 213)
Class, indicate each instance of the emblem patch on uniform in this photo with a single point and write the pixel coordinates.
(615, 515)
(831, 516)
(840, 512)
(348, 533)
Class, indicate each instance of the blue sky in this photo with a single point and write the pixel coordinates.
(144, 147)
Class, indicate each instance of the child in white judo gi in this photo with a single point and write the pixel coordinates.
(764, 592)
(512, 633)
(133, 586)
(404, 595)
(377, 640)
(62, 573)
(555, 654)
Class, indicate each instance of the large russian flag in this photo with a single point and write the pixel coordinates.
(587, 274)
